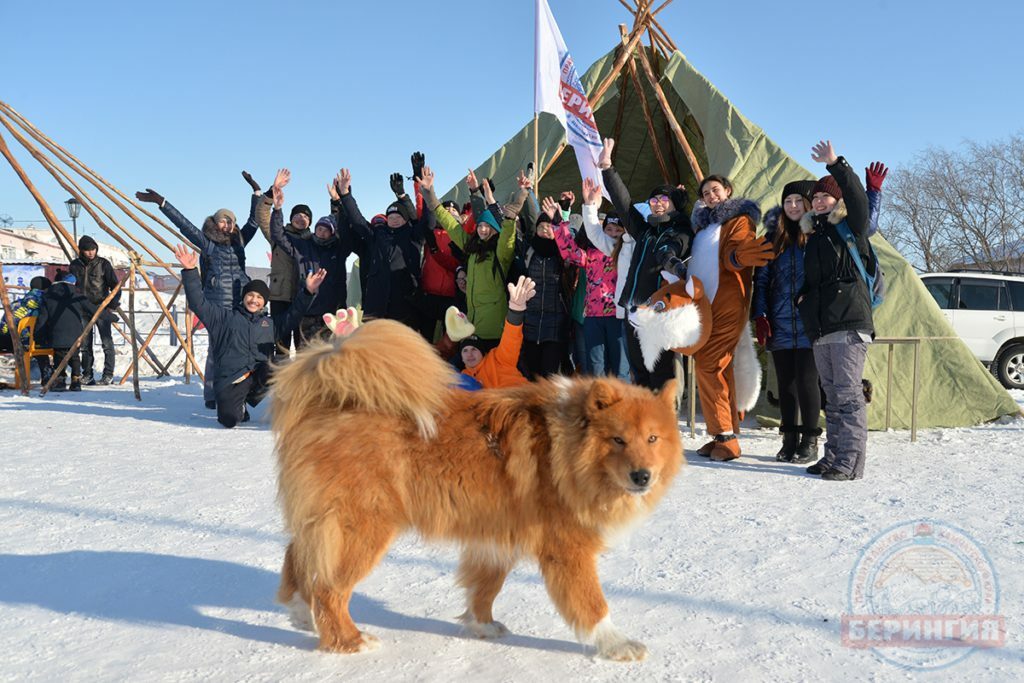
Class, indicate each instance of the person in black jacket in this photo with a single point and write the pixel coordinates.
(663, 242)
(392, 253)
(62, 318)
(95, 279)
(327, 250)
(242, 339)
(835, 307)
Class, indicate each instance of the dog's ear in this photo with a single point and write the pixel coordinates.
(602, 395)
(667, 393)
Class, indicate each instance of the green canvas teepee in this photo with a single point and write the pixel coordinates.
(954, 389)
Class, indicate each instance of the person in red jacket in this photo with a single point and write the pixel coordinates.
(437, 281)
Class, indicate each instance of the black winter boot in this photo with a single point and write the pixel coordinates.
(106, 379)
(807, 450)
(790, 439)
(76, 384)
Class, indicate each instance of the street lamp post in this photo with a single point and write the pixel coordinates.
(74, 208)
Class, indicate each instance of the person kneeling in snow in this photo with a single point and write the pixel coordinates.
(242, 339)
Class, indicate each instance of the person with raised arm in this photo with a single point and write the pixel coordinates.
(242, 338)
(221, 248)
(663, 240)
(835, 307)
(489, 253)
(327, 249)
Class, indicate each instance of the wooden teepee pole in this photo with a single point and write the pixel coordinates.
(152, 333)
(12, 329)
(666, 109)
(97, 180)
(648, 119)
(51, 217)
(135, 337)
(160, 301)
(81, 195)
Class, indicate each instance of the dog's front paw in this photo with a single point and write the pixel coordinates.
(611, 643)
(368, 643)
(478, 629)
(624, 651)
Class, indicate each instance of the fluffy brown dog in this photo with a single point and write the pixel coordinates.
(372, 441)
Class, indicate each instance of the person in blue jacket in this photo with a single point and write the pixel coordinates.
(777, 320)
(222, 259)
(243, 338)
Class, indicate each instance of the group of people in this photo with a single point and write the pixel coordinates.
(546, 288)
(62, 310)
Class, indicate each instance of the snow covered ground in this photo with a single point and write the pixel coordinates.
(140, 541)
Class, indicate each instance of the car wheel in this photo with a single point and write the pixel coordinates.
(1010, 367)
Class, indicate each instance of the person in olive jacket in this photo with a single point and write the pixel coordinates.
(242, 339)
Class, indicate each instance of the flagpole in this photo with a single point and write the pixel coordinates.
(536, 114)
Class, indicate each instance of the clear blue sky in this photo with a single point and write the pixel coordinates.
(182, 96)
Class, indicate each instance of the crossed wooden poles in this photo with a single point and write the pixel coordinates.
(64, 167)
(631, 60)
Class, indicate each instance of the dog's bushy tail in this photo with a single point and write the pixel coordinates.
(383, 367)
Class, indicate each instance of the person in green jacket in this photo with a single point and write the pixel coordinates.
(489, 254)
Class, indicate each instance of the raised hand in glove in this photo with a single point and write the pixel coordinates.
(418, 162)
(762, 329)
(874, 175)
(252, 183)
(151, 196)
(397, 184)
(753, 253)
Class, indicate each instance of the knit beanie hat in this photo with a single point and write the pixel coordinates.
(379, 219)
(487, 217)
(258, 286)
(481, 345)
(39, 282)
(677, 196)
(225, 213)
(828, 185)
(804, 188)
(393, 207)
(86, 243)
(301, 208)
(327, 222)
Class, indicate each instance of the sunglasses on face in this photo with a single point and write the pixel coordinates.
(660, 199)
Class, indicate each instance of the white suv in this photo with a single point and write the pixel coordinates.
(987, 310)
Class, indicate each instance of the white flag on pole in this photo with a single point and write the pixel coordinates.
(559, 91)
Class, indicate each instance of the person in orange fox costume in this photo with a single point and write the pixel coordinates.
(725, 252)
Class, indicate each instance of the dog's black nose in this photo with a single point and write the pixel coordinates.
(640, 477)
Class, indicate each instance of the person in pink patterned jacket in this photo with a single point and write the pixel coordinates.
(602, 329)
(602, 318)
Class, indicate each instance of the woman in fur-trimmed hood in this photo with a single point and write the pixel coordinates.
(725, 252)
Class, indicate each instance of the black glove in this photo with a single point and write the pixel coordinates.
(397, 184)
(677, 267)
(418, 162)
(252, 183)
(151, 196)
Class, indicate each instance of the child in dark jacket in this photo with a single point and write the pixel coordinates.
(242, 340)
(62, 319)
